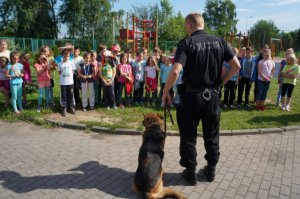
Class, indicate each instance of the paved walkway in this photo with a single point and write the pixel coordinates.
(37, 162)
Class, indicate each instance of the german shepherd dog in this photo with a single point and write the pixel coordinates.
(148, 180)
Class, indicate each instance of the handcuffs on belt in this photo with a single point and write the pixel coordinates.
(206, 94)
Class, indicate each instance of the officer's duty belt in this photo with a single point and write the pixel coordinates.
(206, 92)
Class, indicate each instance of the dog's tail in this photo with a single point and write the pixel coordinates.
(167, 193)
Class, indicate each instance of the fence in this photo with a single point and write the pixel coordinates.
(33, 44)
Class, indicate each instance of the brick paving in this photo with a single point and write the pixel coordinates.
(38, 162)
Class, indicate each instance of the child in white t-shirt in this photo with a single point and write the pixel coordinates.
(66, 70)
(151, 80)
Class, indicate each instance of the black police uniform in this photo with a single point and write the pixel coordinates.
(202, 56)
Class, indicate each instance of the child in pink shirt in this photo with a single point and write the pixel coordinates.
(125, 70)
(27, 74)
(266, 68)
(43, 79)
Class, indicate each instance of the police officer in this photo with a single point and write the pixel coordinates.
(201, 56)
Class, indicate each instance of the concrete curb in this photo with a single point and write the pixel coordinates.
(124, 131)
(55, 122)
(127, 132)
(290, 128)
(246, 132)
(225, 132)
(100, 129)
(72, 125)
(271, 130)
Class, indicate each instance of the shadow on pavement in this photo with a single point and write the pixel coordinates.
(114, 181)
(285, 119)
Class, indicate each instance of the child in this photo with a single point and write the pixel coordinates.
(138, 71)
(15, 72)
(177, 88)
(280, 77)
(107, 74)
(100, 59)
(4, 49)
(43, 79)
(27, 74)
(67, 46)
(290, 73)
(77, 59)
(115, 56)
(247, 76)
(165, 68)
(230, 86)
(266, 68)
(66, 70)
(51, 69)
(4, 81)
(151, 81)
(86, 74)
(125, 73)
(94, 63)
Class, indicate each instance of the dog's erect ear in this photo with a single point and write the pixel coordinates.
(160, 116)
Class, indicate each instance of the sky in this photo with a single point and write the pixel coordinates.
(284, 13)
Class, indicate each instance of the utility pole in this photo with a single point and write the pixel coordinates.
(113, 31)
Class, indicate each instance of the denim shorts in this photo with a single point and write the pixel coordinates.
(262, 90)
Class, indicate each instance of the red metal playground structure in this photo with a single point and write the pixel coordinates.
(142, 34)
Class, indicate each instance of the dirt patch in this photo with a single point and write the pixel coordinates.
(91, 116)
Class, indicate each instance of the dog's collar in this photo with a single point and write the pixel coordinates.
(154, 131)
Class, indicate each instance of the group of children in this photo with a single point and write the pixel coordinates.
(105, 77)
(98, 78)
(260, 70)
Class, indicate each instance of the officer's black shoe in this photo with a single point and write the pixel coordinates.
(190, 175)
(210, 172)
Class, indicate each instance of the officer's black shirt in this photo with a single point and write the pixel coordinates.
(202, 56)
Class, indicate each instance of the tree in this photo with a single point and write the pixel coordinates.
(153, 11)
(287, 39)
(175, 29)
(26, 18)
(71, 14)
(87, 19)
(296, 40)
(220, 16)
(262, 32)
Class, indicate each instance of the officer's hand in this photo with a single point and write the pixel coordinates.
(166, 98)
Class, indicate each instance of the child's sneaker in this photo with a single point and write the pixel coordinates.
(224, 106)
(231, 106)
(38, 110)
(283, 107)
(288, 108)
(115, 107)
(17, 112)
(84, 109)
(108, 108)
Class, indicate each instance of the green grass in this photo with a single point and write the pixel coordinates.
(132, 117)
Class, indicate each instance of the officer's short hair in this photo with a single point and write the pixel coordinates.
(196, 19)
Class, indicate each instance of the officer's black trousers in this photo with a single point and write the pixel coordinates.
(189, 114)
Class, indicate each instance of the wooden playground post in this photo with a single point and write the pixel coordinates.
(156, 30)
